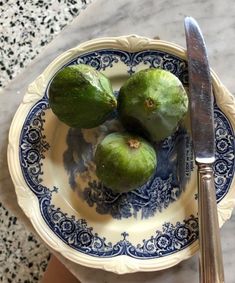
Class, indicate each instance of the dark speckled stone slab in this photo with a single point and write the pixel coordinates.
(25, 28)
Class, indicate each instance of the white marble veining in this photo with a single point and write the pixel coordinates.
(148, 18)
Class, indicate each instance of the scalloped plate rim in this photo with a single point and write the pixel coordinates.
(128, 265)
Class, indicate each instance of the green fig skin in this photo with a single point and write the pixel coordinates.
(152, 102)
(124, 162)
(81, 97)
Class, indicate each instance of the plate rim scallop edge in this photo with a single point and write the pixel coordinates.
(28, 201)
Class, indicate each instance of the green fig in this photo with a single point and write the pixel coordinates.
(152, 102)
(124, 162)
(81, 97)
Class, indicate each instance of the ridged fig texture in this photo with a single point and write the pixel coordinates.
(152, 102)
(81, 97)
(124, 162)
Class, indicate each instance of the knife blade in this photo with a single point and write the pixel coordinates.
(201, 98)
(203, 136)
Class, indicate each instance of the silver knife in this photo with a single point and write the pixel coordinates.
(202, 124)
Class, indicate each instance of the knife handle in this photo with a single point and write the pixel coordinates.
(211, 261)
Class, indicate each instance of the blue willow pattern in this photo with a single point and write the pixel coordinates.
(75, 232)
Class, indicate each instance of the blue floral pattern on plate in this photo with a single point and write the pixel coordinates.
(149, 199)
(175, 163)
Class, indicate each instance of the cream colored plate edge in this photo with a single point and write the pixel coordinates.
(28, 201)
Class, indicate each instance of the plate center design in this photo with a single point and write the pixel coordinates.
(175, 163)
(76, 233)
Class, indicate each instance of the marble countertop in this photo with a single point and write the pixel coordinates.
(26, 27)
(148, 18)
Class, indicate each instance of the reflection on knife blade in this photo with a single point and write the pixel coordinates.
(201, 98)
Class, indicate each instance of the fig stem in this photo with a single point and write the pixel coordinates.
(133, 143)
(149, 102)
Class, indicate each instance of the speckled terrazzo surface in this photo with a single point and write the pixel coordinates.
(25, 28)
(113, 18)
(22, 257)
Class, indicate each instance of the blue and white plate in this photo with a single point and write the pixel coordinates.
(52, 166)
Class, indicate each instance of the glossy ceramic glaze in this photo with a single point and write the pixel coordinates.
(52, 166)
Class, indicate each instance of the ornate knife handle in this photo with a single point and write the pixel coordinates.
(211, 261)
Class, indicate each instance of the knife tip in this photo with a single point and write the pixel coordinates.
(188, 19)
(190, 23)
